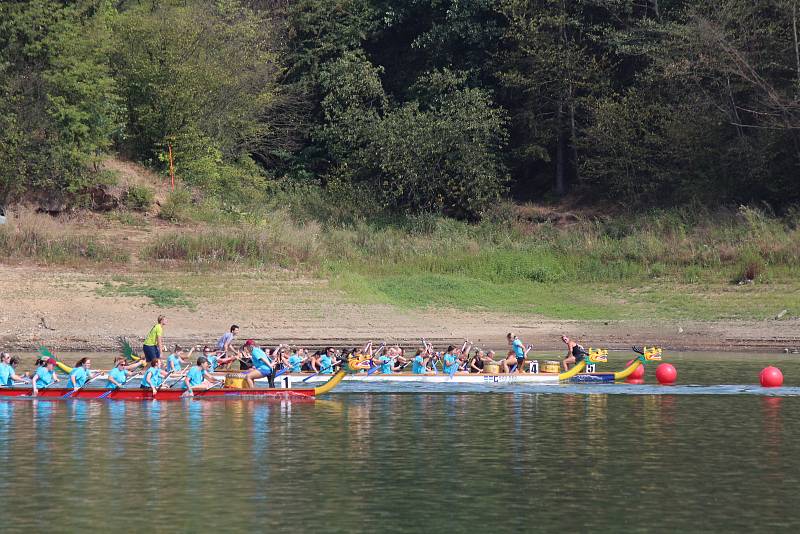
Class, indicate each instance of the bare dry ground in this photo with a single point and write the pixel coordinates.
(78, 309)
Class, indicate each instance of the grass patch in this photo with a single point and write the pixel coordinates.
(40, 237)
(159, 296)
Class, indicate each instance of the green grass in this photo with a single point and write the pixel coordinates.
(159, 296)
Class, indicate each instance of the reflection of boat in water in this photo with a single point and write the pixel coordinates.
(137, 393)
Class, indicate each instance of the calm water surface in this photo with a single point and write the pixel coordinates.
(389, 459)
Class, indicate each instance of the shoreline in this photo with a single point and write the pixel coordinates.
(70, 310)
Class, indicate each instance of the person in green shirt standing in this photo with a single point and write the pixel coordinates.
(154, 342)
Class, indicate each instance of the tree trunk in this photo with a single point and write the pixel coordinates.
(561, 182)
(573, 141)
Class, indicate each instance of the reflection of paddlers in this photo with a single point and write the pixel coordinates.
(154, 342)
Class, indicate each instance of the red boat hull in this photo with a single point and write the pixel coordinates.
(140, 394)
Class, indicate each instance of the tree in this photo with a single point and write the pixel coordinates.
(61, 108)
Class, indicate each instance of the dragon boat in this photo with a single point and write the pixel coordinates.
(578, 374)
(170, 394)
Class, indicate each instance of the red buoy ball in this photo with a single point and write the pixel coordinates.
(771, 377)
(666, 374)
(634, 381)
(638, 374)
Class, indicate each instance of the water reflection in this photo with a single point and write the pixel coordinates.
(370, 462)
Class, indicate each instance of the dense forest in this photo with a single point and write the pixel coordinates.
(438, 106)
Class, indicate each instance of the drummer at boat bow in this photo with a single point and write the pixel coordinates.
(263, 366)
(575, 353)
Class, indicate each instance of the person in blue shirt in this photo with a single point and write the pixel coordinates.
(178, 359)
(8, 373)
(296, 362)
(199, 377)
(419, 365)
(516, 356)
(81, 374)
(45, 374)
(385, 361)
(450, 361)
(327, 361)
(121, 372)
(263, 366)
(154, 376)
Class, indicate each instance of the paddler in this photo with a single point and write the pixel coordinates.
(386, 361)
(419, 365)
(575, 353)
(177, 360)
(45, 374)
(450, 361)
(296, 361)
(519, 352)
(216, 359)
(263, 366)
(154, 342)
(121, 372)
(476, 365)
(80, 374)
(327, 361)
(154, 376)
(199, 376)
(8, 373)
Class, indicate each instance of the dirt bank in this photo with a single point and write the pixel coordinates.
(67, 310)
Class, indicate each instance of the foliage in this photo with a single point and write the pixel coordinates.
(60, 109)
(138, 198)
(176, 207)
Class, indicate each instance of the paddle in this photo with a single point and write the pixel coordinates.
(331, 366)
(180, 377)
(69, 394)
(110, 391)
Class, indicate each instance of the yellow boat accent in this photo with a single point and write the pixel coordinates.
(64, 367)
(330, 384)
(574, 371)
(625, 373)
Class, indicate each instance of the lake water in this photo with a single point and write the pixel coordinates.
(697, 457)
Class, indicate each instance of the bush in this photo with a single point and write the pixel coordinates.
(138, 198)
(177, 206)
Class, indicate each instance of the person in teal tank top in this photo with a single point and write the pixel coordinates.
(45, 375)
(81, 374)
(326, 361)
(154, 376)
(450, 361)
(178, 359)
(385, 361)
(199, 377)
(8, 373)
(121, 372)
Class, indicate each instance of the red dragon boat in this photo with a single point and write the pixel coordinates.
(140, 394)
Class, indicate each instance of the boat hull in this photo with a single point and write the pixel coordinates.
(170, 394)
(458, 378)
